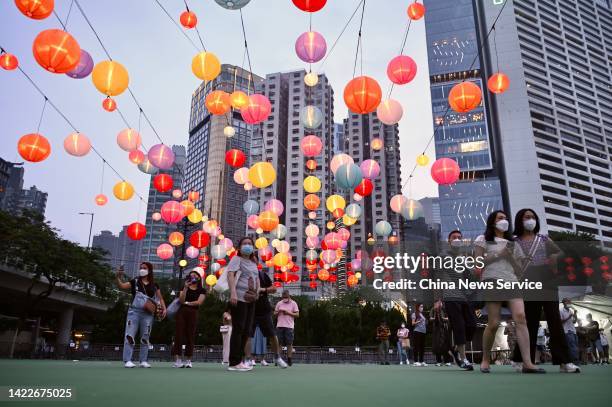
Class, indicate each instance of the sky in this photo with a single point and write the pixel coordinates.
(158, 58)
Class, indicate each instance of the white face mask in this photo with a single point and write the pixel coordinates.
(456, 243)
(403, 326)
(529, 224)
(502, 225)
(143, 272)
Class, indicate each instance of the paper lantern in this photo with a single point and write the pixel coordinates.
(312, 184)
(422, 160)
(357, 197)
(334, 202)
(177, 194)
(353, 210)
(445, 171)
(172, 212)
(261, 242)
(312, 241)
(211, 280)
(370, 169)
(275, 206)
(77, 144)
(218, 252)
(35, 9)
(330, 225)
(188, 207)
(34, 147)
(311, 202)
(156, 216)
(280, 259)
(123, 190)
(397, 202)
(165, 251)
(310, 6)
(161, 156)
(268, 220)
(352, 281)
(383, 228)
(195, 216)
(333, 240)
(344, 234)
(56, 51)
(193, 196)
(206, 66)
(109, 104)
(235, 158)
(241, 176)
(188, 19)
(136, 231)
(311, 255)
(226, 243)
(323, 275)
(262, 174)
(412, 209)
(311, 79)
(279, 232)
(498, 82)
(311, 146)
(146, 167)
(328, 256)
(8, 62)
(339, 160)
(348, 176)
(389, 112)
(83, 67)
(416, 11)
(310, 47)
(110, 78)
(239, 99)
(348, 221)
(250, 207)
(377, 144)
(163, 182)
(364, 188)
(253, 221)
(464, 97)
(176, 238)
(129, 139)
(362, 95)
(256, 110)
(192, 252)
(311, 165)
(218, 102)
(232, 4)
(401, 70)
(136, 156)
(311, 117)
(101, 200)
(248, 186)
(311, 230)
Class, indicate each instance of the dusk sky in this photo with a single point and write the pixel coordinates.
(141, 37)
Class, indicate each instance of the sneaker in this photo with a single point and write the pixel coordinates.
(569, 368)
(438, 364)
(465, 365)
(178, 364)
(537, 370)
(417, 363)
(188, 364)
(145, 365)
(423, 364)
(129, 364)
(407, 363)
(264, 363)
(240, 367)
(449, 364)
(401, 363)
(281, 363)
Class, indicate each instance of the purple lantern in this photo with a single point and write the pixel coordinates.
(310, 47)
(161, 156)
(83, 68)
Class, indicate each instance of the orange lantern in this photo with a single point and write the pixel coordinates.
(352, 280)
(217, 102)
(188, 19)
(311, 202)
(377, 144)
(238, 99)
(362, 95)
(136, 156)
(56, 51)
(193, 196)
(323, 275)
(109, 104)
(176, 238)
(101, 199)
(498, 82)
(123, 190)
(35, 9)
(34, 147)
(311, 165)
(464, 97)
(268, 220)
(188, 206)
(8, 62)
(416, 11)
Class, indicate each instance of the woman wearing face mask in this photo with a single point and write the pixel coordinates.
(542, 254)
(191, 297)
(243, 281)
(139, 315)
(403, 343)
(419, 329)
(502, 260)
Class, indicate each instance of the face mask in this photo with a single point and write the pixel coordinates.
(529, 224)
(143, 272)
(456, 243)
(502, 225)
(193, 280)
(403, 326)
(246, 249)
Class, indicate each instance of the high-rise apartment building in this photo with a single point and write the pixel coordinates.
(13, 197)
(120, 250)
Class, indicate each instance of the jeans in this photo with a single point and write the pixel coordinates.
(383, 350)
(401, 352)
(138, 321)
(572, 343)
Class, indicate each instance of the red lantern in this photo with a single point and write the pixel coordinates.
(587, 271)
(188, 19)
(35, 9)
(8, 62)
(163, 182)
(338, 213)
(310, 6)
(235, 158)
(401, 70)
(56, 51)
(109, 104)
(311, 165)
(136, 231)
(464, 97)
(136, 156)
(193, 196)
(416, 11)
(172, 212)
(445, 171)
(199, 239)
(498, 82)
(34, 147)
(101, 199)
(362, 95)
(365, 187)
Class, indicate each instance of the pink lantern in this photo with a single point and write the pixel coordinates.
(136, 156)
(129, 139)
(333, 240)
(389, 112)
(77, 144)
(161, 156)
(253, 221)
(312, 215)
(256, 110)
(356, 264)
(165, 251)
(310, 47)
(339, 160)
(357, 197)
(275, 206)
(312, 242)
(172, 212)
(177, 194)
(397, 203)
(156, 216)
(370, 169)
(192, 252)
(344, 234)
(328, 256)
(445, 171)
(401, 70)
(241, 176)
(311, 146)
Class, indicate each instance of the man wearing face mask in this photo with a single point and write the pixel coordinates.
(286, 311)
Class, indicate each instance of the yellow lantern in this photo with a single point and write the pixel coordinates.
(195, 216)
(348, 221)
(280, 259)
(311, 79)
(176, 238)
(206, 66)
(268, 220)
(422, 160)
(182, 262)
(211, 279)
(312, 184)
(188, 206)
(261, 242)
(123, 190)
(262, 174)
(110, 78)
(330, 225)
(238, 99)
(334, 202)
(377, 144)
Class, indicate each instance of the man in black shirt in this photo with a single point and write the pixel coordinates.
(263, 320)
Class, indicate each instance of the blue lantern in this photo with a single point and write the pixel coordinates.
(348, 176)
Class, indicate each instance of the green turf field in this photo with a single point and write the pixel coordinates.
(108, 384)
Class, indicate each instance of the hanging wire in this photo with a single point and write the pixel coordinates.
(196, 28)
(401, 52)
(359, 39)
(42, 113)
(495, 47)
(340, 35)
(178, 26)
(246, 45)
(102, 178)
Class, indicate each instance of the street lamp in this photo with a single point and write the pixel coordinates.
(90, 226)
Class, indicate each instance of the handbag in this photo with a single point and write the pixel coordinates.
(173, 308)
(143, 302)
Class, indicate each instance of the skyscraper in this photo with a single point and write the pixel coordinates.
(13, 197)
(120, 250)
